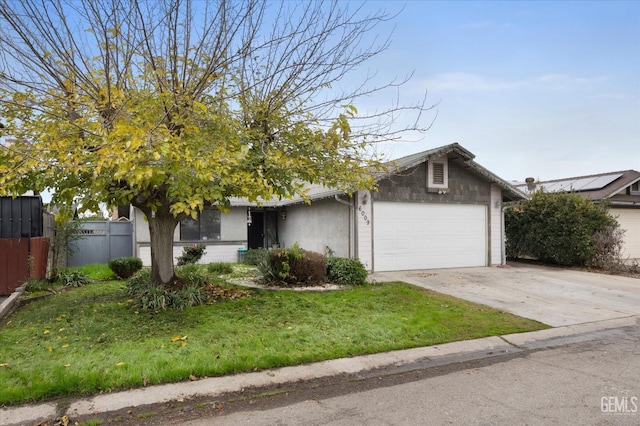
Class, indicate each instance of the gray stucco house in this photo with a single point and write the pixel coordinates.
(434, 209)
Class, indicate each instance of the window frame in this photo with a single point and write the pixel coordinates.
(215, 235)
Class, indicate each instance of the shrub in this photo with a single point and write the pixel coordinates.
(72, 278)
(61, 243)
(191, 254)
(311, 268)
(125, 267)
(191, 275)
(345, 271)
(138, 283)
(607, 249)
(293, 265)
(555, 228)
(220, 268)
(256, 257)
(144, 293)
(33, 286)
(186, 296)
(188, 291)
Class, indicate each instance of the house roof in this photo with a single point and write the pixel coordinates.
(413, 160)
(453, 151)
(314, 192)
(592, 187)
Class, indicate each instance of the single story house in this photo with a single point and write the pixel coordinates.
(434, 209)
(621, 190)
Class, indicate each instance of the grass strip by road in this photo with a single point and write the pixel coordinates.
(90, 339)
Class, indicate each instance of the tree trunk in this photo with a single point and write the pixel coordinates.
(161, 227)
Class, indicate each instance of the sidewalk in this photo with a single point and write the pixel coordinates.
(433, 355)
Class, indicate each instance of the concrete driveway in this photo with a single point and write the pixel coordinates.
(553, 296)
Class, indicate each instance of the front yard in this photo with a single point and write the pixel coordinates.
(90, 339)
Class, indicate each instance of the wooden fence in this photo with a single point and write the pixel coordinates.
(21, 259)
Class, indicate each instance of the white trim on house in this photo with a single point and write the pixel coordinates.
(364, 228)
(496, 228)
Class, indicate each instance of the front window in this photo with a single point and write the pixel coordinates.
(205, 228)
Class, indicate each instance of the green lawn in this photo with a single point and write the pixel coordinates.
(88, 340)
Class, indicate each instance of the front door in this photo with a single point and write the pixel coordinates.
(255, 232)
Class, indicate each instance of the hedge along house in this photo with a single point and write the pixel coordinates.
(620, 190)
(433, 209)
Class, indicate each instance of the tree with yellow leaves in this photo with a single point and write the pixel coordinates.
(175, 105)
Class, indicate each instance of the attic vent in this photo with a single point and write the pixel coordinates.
(438, 173)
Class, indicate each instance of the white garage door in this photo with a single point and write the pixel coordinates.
(423, 236)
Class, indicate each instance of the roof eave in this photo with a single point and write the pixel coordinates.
(393, 167)
(623, 187)
(503, 184)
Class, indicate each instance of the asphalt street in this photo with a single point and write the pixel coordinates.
(589, 383)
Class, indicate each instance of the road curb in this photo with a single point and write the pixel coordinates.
(560, 336)
(11, 303)
(434, 355)
(216, 386)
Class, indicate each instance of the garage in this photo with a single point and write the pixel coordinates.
(428, 235)
(432, 210)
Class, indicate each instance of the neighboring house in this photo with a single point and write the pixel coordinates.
(621, 190)
(434, 209)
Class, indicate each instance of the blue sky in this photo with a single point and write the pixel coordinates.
(546, 89)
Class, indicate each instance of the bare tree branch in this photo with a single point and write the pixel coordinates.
(172, 105)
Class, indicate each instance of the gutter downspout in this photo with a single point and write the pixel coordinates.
(351, 220)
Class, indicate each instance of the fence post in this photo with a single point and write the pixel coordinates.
(39, 257)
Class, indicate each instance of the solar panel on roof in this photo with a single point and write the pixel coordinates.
(556, 186)
(602, 181)
(581, 184)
